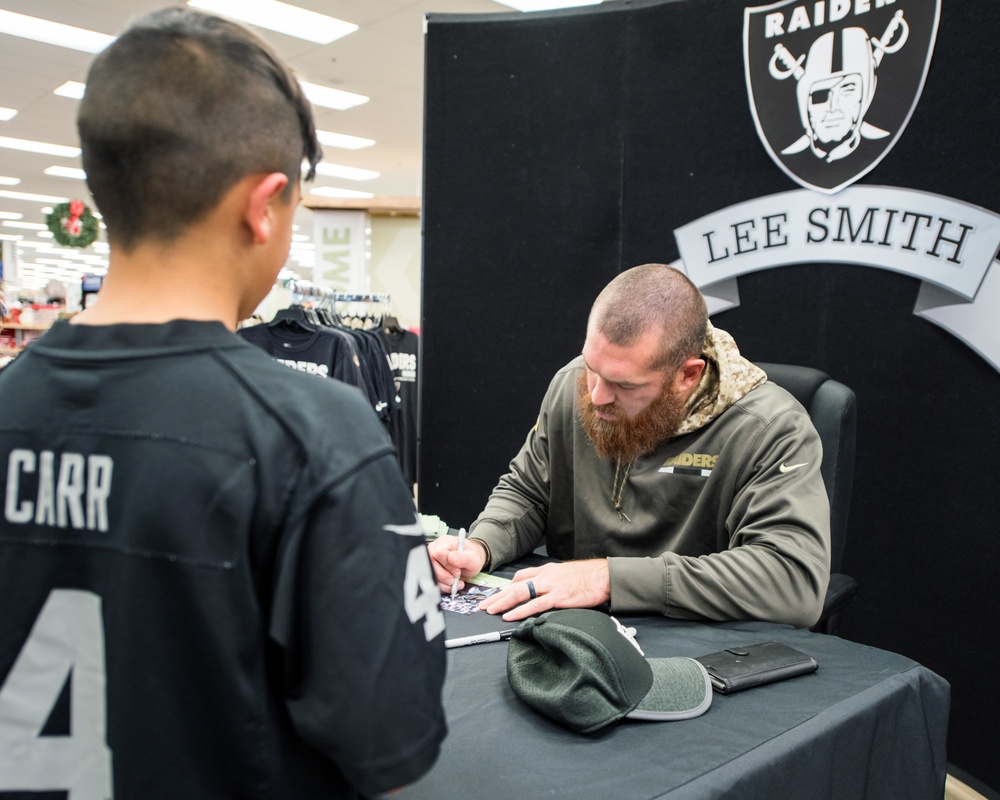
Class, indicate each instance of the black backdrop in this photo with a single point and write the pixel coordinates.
(563, 148)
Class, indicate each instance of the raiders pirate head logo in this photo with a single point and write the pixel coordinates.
(832, 83)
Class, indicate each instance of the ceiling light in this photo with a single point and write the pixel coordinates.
(28, 281)
(343, 141)
(546, 5)
(340, 171)
(332, 191)
(4, 181)
(28, 226)
(11, 215)
(72, 89)
(281, 17)
(66, 172)
(42, 30)
(7, 113)
(332, 98)
(34, 198)
(45, 148)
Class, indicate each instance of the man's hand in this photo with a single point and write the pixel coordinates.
(449, 563)
(571, 584)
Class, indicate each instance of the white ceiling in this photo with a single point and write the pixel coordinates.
(383, 60)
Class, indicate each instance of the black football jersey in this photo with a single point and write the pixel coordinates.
(213, 586)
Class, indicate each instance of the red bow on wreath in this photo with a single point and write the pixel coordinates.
(72, 223)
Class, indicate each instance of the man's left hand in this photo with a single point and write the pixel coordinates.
(570, 584)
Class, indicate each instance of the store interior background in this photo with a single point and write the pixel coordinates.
(384, 61)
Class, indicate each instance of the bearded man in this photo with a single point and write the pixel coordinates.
(665, 471)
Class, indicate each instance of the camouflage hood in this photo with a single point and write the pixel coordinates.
(728, 376)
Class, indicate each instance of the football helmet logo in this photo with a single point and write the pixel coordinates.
(833, 127)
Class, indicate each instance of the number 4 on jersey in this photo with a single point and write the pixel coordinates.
(421, 597)
(66, 642)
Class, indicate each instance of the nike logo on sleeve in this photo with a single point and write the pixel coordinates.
(791, 467)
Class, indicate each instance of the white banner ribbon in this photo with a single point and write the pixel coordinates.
(947, 243)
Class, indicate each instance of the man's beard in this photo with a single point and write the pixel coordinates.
(626, 438)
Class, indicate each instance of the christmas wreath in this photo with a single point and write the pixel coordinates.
(72, 224)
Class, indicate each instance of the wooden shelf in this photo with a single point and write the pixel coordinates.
(23, 335)
(17, 326)
(379, 206)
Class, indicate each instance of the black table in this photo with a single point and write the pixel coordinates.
(867, 724)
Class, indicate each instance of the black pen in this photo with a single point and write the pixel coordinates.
(479, 638)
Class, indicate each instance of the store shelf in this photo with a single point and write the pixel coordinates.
(17, 326)
(24, 334)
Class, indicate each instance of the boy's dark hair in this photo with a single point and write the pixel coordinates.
(179, 109)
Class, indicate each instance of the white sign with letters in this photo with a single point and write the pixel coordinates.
(341, 250)
(947, 243)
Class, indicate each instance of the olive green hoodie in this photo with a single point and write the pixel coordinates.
(727, 520)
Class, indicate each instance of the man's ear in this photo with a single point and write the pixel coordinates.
(689, 374)
(263, 194)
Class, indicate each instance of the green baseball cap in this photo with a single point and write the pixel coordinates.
(585, 670)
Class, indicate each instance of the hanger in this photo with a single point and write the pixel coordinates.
(391, 325)
(355, 310)
(295, 316)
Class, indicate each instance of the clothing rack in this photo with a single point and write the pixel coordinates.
(364, 297)
(353, 337)
(302, 290)
(306, 290)
(314, 334)
(361, 309)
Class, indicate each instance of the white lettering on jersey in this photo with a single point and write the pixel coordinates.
(421, 596)
(66, 643)
(413, 529)
(323, 370)
(72, 492)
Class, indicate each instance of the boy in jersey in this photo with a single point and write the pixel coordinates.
(214, 583)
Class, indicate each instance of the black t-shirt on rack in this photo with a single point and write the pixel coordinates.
(375, 369)
(325, 352)
(402, 347)
(230, 595)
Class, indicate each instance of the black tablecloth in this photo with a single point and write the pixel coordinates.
(867, 724)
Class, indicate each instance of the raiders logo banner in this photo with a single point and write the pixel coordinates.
(833, 83)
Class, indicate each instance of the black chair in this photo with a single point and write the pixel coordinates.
(833, 410)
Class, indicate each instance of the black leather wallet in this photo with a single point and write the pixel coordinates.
(737, 668)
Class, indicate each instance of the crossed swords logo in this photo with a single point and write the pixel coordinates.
(832, 103)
